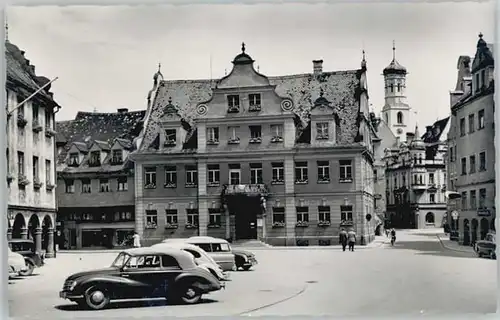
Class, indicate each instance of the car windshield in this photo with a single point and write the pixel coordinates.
(121, 260)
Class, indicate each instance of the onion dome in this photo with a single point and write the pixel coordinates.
(243, 58)
(394, 67)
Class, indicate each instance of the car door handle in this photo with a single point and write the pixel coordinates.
(125, 275)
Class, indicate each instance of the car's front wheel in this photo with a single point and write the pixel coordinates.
(29, 271)
(185, 293)
(96, 298)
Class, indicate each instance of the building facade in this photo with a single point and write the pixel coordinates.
(286, 160)
(416, 179)
(30, 153)
(95, 188)
(471, 158)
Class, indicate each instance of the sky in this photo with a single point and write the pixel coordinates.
(105, 57)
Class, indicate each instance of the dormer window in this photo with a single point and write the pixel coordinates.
(255, 134)
(254, 101)
(117, 157)
(170, 137)
(74, 159)
(322, 131)
(233, 103)
(95, 159)
(483, 78)
(213, 135)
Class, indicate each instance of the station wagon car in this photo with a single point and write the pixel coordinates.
(487, 247)
(200, 256)
(27, 249)
(138, 273)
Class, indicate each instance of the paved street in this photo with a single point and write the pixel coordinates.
(416, 276)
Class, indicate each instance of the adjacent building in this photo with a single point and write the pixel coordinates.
(286, 160)
(95, 179)
(30, 152)
(471, 159)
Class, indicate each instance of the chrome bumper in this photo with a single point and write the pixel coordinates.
(68, 295)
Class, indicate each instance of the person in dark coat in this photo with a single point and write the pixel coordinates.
(351, 238)
(343, 238)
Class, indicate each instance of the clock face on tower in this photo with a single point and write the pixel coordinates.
(399, 131)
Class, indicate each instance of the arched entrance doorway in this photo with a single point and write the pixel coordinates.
(466, 241)
(35, 231)
(429, 219)
(48, 235)
(474, 225)
(485, 226)
(19, 227)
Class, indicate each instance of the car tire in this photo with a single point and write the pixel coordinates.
(96, 298)
(30, 269)
(187, 293)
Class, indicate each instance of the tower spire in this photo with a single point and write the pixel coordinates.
(6, 30)
(393, 50)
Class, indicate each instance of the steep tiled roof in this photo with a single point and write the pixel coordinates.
(82, 146)
(103, 127)
(340, 88)
(103, 145)
(435, 131)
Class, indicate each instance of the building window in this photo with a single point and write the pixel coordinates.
(323, 171)
(70, 185)
(255, 134)
(431, 178)
(472, 163)
(234, 174)
(322, 131)
(74, 159)
(214, 217)
(95, 159)
(104, 185)
(277, 133)
(346, 213)
(171, 215)
(35, 111)
(462, 127)
(478, 85)
(150, 177)
(483, 78)
(213, 135)
(213, 175)
(170, 137)
(480, 119)
(464, 166)
(471, 123)
(278, 173)
(464, 200)
(192, 217)
(122, 184)
(482, 161)
(278, 217)
(324, 214)
(473, 199)
(124, 216)
(254, 101)
(301, 172)
(20, 164)
(170, 177)
(117, 157)
(345, 170)
(48, 119)
(151, 219)
(451, 155)
(232, 133)
(482, 198)
(191, 176)
(36, 170)
(20, 110)
(400, 117)
(233, 103)
(256, 173)
(86, 186)
(432, 198)
(302, 214)
(48, 171)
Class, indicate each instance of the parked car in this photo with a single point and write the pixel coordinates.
(200, 256)
(17, 265)
(244, 259)
(27, 249)
(487, 247)
(149, 272)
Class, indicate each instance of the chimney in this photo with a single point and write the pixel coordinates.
(317, 67)
(122, 110)
(409, 137)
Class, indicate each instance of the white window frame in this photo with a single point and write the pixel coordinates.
(231, 171)
(304, 173)
(254, 176)
(171, 216)
(212, 176)
(279, 173)
(191, 177)
(322, 129)
(346, 213)
(193, 217)
(344, 170)
(302, 216)
(233, 101)
(86, 186)
(122, 183)
(213, 216)
(170, 176)
(74, 157)
(482, 198)
(171, 136)
(104, 186)
(480, 119)
(279, 211)
(254, 99)
(255, 134)
(482, 168)
(233, 134)
(213, 134)
(325, 214)
(151, 219)
(150, 174)
(48, 172)
(69, 188)
(325, 171)
(277, 130)
(117, 156)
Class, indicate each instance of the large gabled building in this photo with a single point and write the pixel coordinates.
(287, 160)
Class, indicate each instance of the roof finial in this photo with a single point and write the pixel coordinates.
(169, 100)
(243, 47)
(364, 55)
(480, 35)
(6, 30)
(159, 67)
(393, 50)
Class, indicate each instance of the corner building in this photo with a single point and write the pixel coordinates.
(285, 160)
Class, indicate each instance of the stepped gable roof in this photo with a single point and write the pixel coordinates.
(101, 128)
(340, 88)
(436, 129)
(21, 76)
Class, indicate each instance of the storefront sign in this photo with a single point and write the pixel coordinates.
(246, 189)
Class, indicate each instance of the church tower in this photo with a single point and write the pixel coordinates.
(396, 111)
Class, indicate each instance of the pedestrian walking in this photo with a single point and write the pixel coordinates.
(343, 238)
(137, 240)
(351, 238)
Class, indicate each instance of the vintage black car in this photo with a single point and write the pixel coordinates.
(244, 259)
(26, 248)
(142, 273)
(487, 247)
